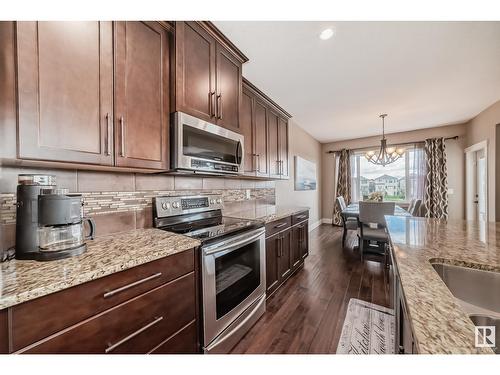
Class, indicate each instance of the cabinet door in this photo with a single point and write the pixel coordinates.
(195, 71)
(285, 260)
(229, 84)
(247, 126)
(141, 94)
(65, 91)
(296, 249)
(272, 268)
(274, 154)
(4, 332)
(283, 147)
(261, 138)
(304, 240)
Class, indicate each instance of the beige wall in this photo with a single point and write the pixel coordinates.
(455, 163)
(305, 146)
(481, 128)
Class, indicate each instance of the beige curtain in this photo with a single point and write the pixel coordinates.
(436, 182)
(343, 187)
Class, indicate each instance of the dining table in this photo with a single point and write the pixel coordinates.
(352, 210)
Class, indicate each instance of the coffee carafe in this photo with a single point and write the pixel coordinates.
(61, 231)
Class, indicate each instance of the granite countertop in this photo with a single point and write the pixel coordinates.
(269, 214)
(439, 323)
(21, 281)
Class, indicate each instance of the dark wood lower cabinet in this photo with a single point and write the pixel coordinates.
(286, 248)
(285, 258)
(145, 309)
(4, 332)
(182, 342)
(272, 263)
(136, 326)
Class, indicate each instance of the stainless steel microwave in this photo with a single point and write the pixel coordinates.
(201, 146)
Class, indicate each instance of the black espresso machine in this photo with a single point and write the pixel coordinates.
(49, 223)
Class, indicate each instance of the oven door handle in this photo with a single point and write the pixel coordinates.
(230, 245)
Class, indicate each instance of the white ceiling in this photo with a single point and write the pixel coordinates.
(423, 74)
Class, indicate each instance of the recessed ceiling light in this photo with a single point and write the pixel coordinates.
(326, 34)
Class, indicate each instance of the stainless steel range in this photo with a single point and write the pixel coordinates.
(233, 270)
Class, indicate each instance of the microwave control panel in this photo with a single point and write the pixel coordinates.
(213, 166)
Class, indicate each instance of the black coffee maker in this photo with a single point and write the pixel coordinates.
(50, 224)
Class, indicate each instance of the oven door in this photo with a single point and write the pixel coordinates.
(234, 277)
(200, 145)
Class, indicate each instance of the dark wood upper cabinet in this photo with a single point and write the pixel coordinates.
(141, 95)
(208, 76)
(195, 70)
(229, 88)
(246, 126)
(274, 150)
(283, 148)
(261, 140)
(269, 134)
(65, 91)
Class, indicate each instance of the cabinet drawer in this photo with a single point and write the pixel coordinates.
(42, 317)
(183, 342)
(301, 216)
(277, 226)
(136, 326)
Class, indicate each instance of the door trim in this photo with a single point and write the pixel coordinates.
(470, 178)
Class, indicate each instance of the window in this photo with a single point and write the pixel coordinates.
(399, 181)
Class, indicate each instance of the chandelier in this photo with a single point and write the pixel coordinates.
(386, 155)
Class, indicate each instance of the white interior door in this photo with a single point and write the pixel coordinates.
(476, 164)
(481, 185)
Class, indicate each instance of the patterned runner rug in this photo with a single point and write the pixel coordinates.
(367, 329)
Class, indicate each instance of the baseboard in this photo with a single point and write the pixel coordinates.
(326, 221)
(315, 225)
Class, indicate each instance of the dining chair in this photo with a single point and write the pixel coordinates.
(350, 223)
(414, 211)
(372, 225)
(411, 205)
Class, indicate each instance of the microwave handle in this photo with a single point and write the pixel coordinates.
(238, 153)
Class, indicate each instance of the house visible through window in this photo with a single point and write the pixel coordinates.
(399, 181)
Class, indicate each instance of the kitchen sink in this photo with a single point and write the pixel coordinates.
(477, 290)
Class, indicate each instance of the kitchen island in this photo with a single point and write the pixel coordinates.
(438, 322)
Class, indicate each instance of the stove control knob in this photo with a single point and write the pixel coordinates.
(219, 201)
(165, 205)
(176, 205)
(212, 201)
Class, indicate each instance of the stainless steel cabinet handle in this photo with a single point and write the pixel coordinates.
(219, 106)
(108, 143)
(257, 164)
(122, 131)
(211, 96)
(112, 347)
(131, 285)
(280, 225)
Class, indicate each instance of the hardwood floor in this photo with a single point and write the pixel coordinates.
(306, 314)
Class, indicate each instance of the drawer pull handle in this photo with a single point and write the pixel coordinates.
(112, 347)
(131, 285)
(281, 225)
(301, 216)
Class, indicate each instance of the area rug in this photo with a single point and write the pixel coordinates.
(367, 329)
